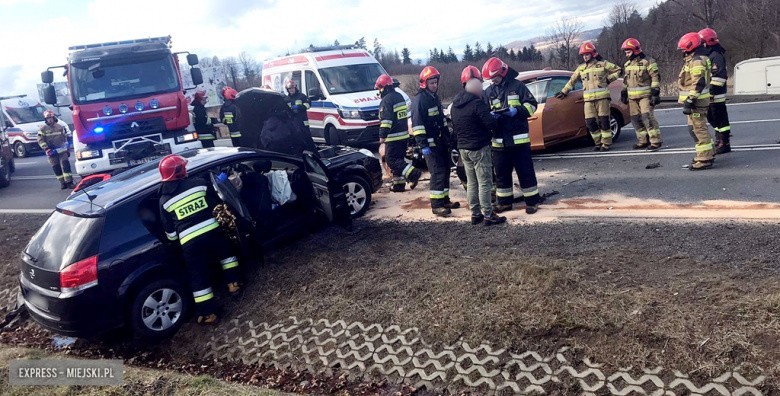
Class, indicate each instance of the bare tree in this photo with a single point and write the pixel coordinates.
(564, 35)
(232, 70)
(249, 69)
(706, 11)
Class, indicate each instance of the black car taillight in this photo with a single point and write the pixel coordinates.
(79, 275)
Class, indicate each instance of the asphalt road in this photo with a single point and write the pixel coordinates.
(750, 173)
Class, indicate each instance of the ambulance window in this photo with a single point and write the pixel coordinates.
(296, 76)
(311, 81)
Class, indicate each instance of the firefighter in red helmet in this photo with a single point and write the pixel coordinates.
(641, 92)
(596, 74)
(511, 103)
(230, 116)
(186, 211)
(429, 129)
(394, 134)
(298, 102)
(203, 124)
(717, 114)
(54, 142)
(694, 82)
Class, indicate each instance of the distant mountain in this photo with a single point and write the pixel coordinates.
(541, 42)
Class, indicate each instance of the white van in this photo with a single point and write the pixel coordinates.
(757, 76)
(21, 118)
(340, 81)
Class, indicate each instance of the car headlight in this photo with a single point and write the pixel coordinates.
(88, 154)
(31, 135)
(367, 153)
(107, 110)
(188, 137)
(350, 114)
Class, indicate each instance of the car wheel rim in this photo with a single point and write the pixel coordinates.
(613, 125)
(454, 157)
(356, 196)
(19, 150)
(162, 309)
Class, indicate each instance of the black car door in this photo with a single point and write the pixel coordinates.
(329, 194)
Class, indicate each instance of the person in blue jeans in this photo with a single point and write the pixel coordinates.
(474, 125)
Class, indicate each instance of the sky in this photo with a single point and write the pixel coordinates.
(35, 34)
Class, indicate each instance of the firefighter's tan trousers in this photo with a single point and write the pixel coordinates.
(697, 125)
(597, 119)
(643, 118)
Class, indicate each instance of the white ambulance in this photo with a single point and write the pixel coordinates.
(340, 81)
(21, 118)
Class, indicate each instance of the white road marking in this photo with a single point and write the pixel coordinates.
(26, 211)
(47, 177)
(766, 147)
(627, 127)
(729, 105)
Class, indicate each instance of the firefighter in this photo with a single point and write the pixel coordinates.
(298, 102)
(432, 136)
(394, 134)
(641, 92)
(202, 122)
(186, 210)
(53, 141)
(718, 115)
(511, 103)
(694, 84)
(596, 74)
(229, 115)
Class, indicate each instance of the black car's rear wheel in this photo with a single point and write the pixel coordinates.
(158, 310)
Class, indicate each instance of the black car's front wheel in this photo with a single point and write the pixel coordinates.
(158, 310)
(358, 192)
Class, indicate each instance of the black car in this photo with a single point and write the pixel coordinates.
(102, 261)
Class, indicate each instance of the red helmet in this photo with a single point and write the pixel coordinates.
(427, 73)
(229, 93)
(494, 67)
(689, 42)
(383, 81)
(290, 84)
(709, 36)
(172, 167)
(632, 44)
(588, 48)
(49, 114)
(468, 73)
(198, 96)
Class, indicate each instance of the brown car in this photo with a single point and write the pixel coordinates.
(561, 120)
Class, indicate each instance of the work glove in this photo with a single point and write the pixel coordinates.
(655, 91)
(49, 152)
(426, 151)
(688, 106)
(624, 96)
(495, 115)
(222, 177)
(655, 100)
(511, 112)
(560, 95)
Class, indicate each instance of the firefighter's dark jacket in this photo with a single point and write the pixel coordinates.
(201, 121)
(511, 131)
(471, 121)
(186, 208)
(428, 125)
(393, 116)
(229, 116)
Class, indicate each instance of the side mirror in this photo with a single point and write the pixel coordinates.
(315, 94)
(197, 75)
(8, 124)
(49, 95)
(192, 59)
(47, 77)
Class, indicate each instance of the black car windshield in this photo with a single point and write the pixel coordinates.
(24, 115)
(94, 81)
(351, 78)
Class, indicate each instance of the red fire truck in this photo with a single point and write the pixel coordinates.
(128, 102)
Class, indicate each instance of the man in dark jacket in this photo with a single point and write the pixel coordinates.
(512, 104)
(298, 103)
(202, 121)
(473, 125)
(283, 133)
(430, 131)
(394, 134)
(718, 115)
(229, 115)
(186, 212)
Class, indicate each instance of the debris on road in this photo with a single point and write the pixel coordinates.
(653, 165)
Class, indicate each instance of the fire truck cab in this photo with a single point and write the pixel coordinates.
(128, 103)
